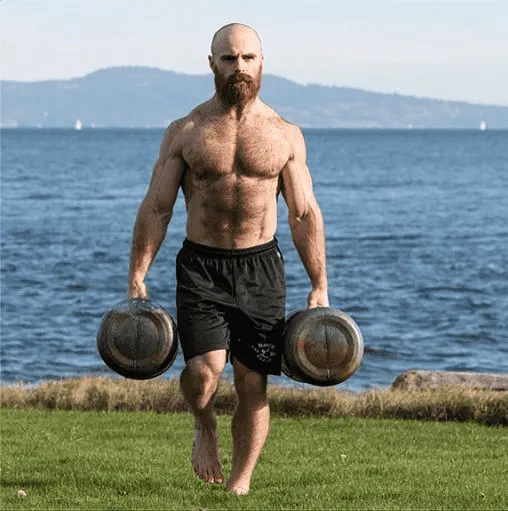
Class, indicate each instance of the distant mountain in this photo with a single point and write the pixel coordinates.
(148, 97)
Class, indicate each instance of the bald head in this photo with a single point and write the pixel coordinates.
(237, 63)
(233, 34)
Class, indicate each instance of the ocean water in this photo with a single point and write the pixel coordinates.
(417, 246)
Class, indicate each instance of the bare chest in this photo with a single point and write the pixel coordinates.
(253, 151)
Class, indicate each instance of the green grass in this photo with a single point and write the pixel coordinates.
(140, 460)
(446, 403)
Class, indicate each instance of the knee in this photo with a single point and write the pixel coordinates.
(251, 389)
(201, 376)
(207, 379)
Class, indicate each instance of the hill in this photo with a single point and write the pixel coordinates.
(149, 97)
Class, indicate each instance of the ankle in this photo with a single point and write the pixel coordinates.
(206, 424)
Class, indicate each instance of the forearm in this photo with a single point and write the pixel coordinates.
(149, 233)
(309, 239)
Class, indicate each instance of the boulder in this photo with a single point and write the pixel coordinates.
(411, 380)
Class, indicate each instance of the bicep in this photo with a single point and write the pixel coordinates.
(297, 182)
(166, 178)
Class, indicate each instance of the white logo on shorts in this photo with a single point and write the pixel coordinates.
(265, 352)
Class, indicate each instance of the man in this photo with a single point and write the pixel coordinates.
(231, 155)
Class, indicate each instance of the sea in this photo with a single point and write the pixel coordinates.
(416, 225)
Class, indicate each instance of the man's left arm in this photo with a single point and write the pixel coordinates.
(305, 219)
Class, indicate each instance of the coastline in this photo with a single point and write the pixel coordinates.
(435, 402)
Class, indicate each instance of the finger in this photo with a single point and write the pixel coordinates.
(312, 304)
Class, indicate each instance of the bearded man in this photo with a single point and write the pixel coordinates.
(232, 156)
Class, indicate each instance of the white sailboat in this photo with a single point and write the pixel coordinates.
(78, 125)
(483, 125)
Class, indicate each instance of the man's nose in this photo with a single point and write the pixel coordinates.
(240, 64)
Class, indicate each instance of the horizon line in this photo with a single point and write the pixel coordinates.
(303, 84)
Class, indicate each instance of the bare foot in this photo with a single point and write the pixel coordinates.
(239, 485)
(205, 456)
(237, 490)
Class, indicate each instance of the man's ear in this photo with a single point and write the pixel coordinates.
(211, 62)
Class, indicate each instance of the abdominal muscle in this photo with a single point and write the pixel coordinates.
(231, 211)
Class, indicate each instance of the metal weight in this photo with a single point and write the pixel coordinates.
(322, 346)
(138, 339)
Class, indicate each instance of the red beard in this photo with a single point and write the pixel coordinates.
(238, 89)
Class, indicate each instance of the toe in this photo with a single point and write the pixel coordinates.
(200, 472)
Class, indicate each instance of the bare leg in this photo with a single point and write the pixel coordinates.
(249, 426)
(199, 382)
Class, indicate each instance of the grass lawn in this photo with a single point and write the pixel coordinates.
(140, 460)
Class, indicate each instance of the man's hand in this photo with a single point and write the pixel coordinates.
(318, 298)
(137, 290)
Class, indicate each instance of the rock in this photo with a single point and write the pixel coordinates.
(411, 380)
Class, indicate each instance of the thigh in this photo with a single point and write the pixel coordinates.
(260, 286)
(259, 322)
(200, 305)
(258, 343)
(202, 328)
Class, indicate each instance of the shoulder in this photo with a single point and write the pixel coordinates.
(291, 131)
(295, 138)
(179, 126)
(295, 134)
(177, 132)
(185, 125)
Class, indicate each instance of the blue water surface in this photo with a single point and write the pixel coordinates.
(417, 246)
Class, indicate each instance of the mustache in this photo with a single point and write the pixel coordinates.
(240, 77)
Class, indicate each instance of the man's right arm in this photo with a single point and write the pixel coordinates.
(156, 209)
(305, 218)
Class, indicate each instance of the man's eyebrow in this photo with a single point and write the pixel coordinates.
(235, 55)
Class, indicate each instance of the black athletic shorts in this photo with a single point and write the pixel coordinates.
(233, 300)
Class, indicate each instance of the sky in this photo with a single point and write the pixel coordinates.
(449, 49)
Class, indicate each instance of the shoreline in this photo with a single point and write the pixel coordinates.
(445, 402)
(407, 380)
